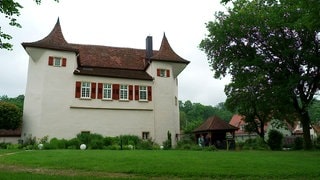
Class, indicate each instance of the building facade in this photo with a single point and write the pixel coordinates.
(112, 91)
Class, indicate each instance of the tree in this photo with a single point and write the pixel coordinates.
(272, 46)
(11, 10)
(10, 116)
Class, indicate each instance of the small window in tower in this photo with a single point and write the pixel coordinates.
(57, 61)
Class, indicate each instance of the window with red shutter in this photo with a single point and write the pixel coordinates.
(130, 92)
(149, 93)
(100, 85)
(168, 73)
(50, 61)
(158, 72)
(115, 91)
(64, 62)
(136, 92)
(78, 89)
(93, 90)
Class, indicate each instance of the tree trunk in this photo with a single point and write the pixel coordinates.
(305, 122)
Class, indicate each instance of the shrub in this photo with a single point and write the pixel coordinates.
(168, 143)
(298, 143)
(73, 143)
(4, 145)
(147, 145)
(255, 144)
(275, 140)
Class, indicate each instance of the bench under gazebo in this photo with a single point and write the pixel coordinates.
(215, 131)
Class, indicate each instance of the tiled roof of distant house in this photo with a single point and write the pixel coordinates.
(97, 60)
(10, 133)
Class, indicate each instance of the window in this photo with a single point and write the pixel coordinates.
(145, 135)
(123, 92)
(143, 93)
(85, 89)
(163, 72)
(57, 61)
(107, 91)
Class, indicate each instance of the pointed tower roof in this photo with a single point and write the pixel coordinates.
(54, 40)
(166, 53)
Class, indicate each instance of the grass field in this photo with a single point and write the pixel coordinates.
(144, 164)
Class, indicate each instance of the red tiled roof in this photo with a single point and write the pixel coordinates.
(166, 53)
(10, 133)
(95, 56)
(214, 123)
(55, 40)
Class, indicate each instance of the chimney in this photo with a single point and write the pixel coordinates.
(149, 49)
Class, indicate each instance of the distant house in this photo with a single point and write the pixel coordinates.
(241, 134)
(74, 88)
(285, 128)
(10, 136)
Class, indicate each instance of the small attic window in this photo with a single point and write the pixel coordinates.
(163, 72)
(57, 61)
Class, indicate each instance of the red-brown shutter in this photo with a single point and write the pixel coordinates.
(78, 89)
(149, 93)
(158, 72)
(168, 73)
(93, 90)
(64, 62)
(115, 91)
(50, 61)
(130, 92)
(100, 85)
(136, 92)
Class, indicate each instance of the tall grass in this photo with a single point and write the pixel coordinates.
(174, 163)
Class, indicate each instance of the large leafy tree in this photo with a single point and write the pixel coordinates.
(272, 48)
(10, 116)
(10, 9)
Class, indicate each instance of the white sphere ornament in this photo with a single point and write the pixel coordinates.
(40, 146)
(161, 147)
(83, 146)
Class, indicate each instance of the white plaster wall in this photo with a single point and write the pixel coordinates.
(166, 111)
(12, 140)
(51, 107)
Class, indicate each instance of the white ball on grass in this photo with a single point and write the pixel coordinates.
(83, 146)
(40, 146)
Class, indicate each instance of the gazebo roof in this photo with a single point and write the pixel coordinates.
(214, 123)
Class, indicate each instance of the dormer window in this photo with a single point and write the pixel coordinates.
(163, 72)
(57, 61)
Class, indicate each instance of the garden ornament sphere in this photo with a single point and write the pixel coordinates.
(40, 146)
(83, 146)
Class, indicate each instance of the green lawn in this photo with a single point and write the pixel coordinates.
(144, 164)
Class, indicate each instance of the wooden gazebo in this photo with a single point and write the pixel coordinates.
(215, 131)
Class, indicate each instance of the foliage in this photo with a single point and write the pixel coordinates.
(18, 101)
(193, 114)
(11, 10)
(254, 144)
(314, 111)
(298, 143)
(275, 140)
(10, 116)
(271, 50)
(168, 143)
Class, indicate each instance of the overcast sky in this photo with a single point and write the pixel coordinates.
(119, 23)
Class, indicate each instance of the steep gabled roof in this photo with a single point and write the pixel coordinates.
(107, 61)
(54, 40)
(214, 123)
(166, 53)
